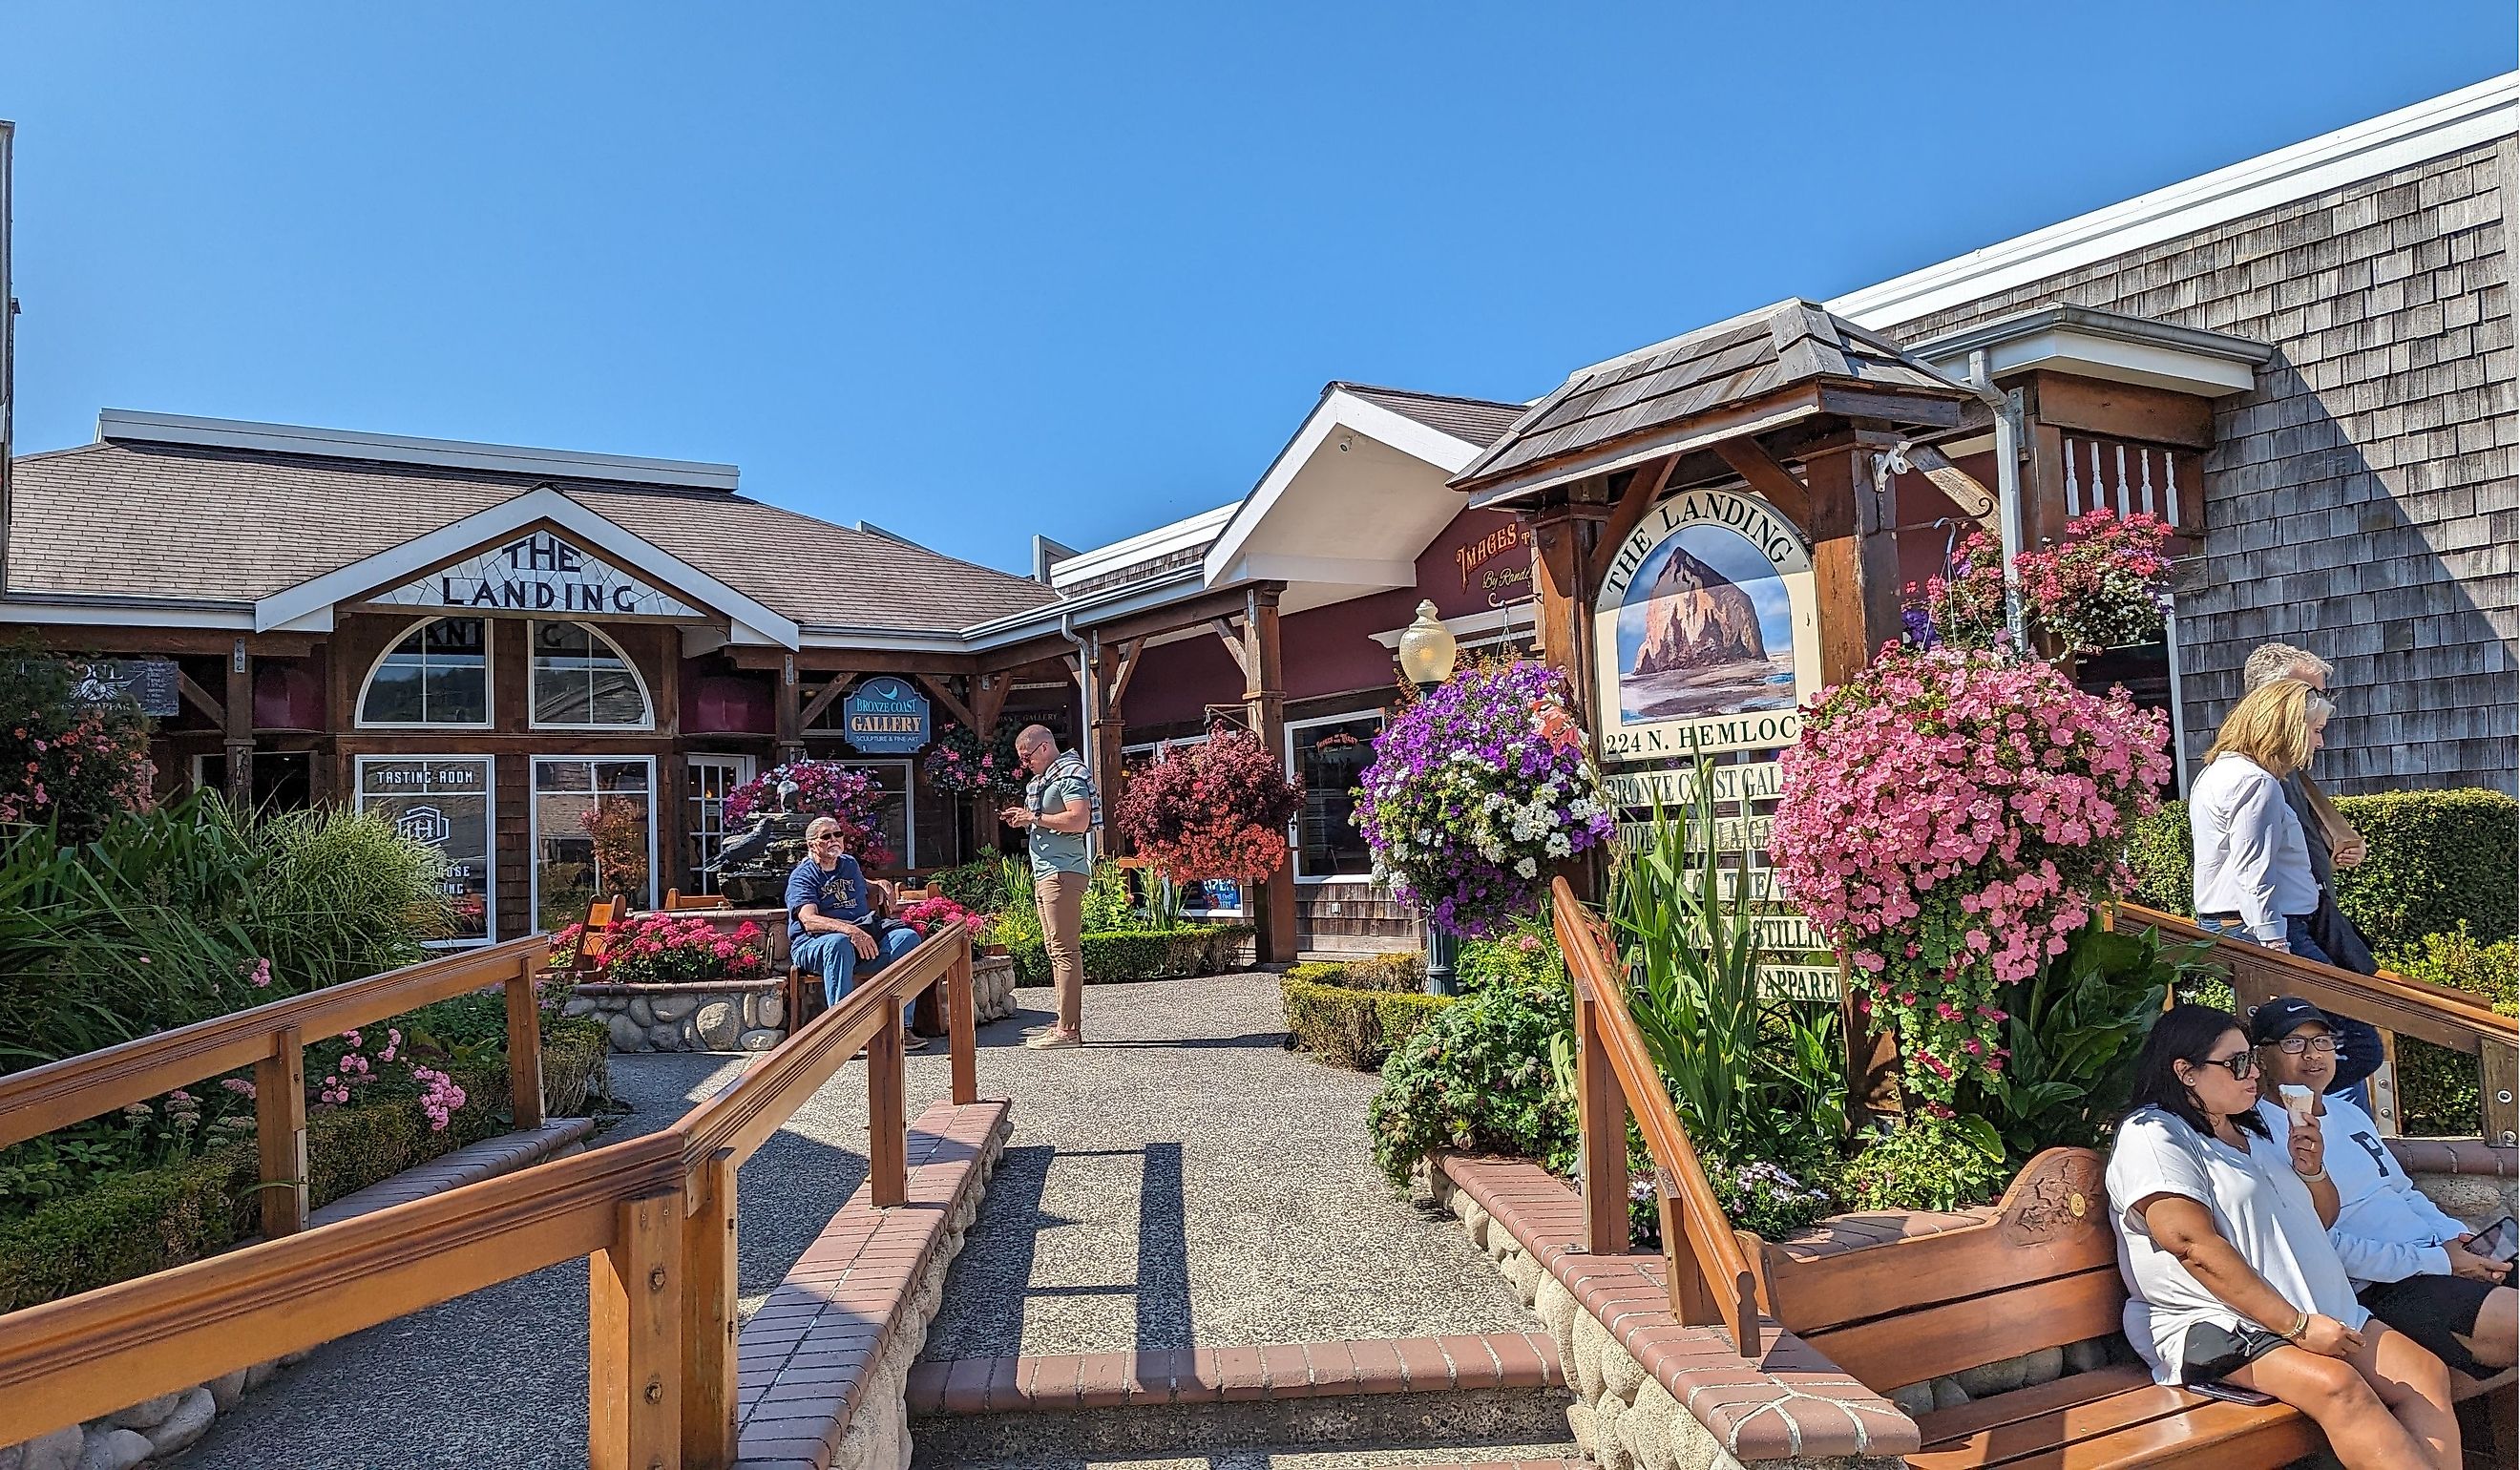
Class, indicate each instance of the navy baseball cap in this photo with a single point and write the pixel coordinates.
(2282, 1017)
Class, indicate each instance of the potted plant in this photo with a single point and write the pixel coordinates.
(1478, 790)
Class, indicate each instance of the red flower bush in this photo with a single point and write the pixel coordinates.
(62, 759)
(824, 788)
(1218, 809)
(2105, 586)
(927, 914)
(663, 948)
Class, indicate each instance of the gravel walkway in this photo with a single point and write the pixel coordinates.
(1185, 1181)
(1187, 1097)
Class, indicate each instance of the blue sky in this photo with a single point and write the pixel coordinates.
(970, 272)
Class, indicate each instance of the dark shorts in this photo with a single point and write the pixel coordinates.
(2429, 1309)
(2216, 1351)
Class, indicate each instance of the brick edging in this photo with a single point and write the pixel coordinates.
(851, 1304)
(1793, 1405)
(1056, 1382)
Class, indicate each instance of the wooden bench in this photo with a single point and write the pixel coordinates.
(2037, 1271)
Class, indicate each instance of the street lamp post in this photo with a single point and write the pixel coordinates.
(1427, 653)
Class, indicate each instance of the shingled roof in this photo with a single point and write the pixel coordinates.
(1473, 421)
(186, 523)
(1729, 363)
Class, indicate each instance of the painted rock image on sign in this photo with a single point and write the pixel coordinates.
(1704, 629)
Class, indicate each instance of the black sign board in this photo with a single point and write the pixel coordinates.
(150, 683)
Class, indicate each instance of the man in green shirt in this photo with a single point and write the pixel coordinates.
(1058, 812)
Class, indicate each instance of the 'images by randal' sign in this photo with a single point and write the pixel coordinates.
(886, 716)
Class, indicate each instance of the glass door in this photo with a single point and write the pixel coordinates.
(593, 833)
(712, 776)
(445, 802)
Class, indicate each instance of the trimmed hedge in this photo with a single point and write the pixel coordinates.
(133, 1224)
(1355, 1013)
(2436, 860)
(2438, 1088)
(1122, 954)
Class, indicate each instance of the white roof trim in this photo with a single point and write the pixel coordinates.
(1338, 409)
(1478, 626)
(1147, 546)
(2445, 124)
(397, 449)
(398, 563)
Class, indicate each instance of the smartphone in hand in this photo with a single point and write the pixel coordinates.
(2498, 1242)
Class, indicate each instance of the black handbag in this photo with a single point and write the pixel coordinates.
(2335, 933)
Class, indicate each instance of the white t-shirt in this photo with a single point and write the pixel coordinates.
(2259, 1205)
(2385, 1230)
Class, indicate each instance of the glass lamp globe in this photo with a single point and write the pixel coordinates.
(1427, 648)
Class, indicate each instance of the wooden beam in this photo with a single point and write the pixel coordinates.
(760, 656)
(952, 701)
(1766, 478)
(202, 700)
(2125, 410)
(1233, 638)
(1976, 502)
(1130, 657)
(239, 745)
(836, 686)
(1189, 613)
(1264, 703)
(1645, 487)
(125, 642)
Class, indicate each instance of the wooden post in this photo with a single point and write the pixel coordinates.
(962, 1026)
(1602, 1123)
(887, 1152)
(1854, 562)
(1104, 739)
(1684, 1277)
(240, 727)
(524, 1048)
(708, 1319)
(790, 713)
(988, 706)
(280, 1126)
(2384, 1087)
(634, 1361)
(1264, 704)
(2498, 1072)
(1562, 546)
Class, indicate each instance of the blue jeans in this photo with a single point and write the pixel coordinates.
(2355, 1041)
(833, 958)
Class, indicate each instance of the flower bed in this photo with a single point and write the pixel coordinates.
(135, 1222)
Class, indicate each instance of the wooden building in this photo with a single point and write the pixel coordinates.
(552, 665)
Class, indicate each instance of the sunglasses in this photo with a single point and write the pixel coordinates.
(2295, 1046)
(2243, 1064)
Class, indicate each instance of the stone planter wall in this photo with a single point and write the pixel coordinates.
(735, 1016)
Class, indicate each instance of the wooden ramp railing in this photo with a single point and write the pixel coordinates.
(1705, 1270)
(653, 1215)
(2399, 1006)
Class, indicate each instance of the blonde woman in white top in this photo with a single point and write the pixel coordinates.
(2254, 879)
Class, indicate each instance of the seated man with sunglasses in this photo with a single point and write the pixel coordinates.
(2409, 1259)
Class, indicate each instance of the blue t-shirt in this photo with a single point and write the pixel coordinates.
(840, 893)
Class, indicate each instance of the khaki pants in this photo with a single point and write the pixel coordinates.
(1061, 898)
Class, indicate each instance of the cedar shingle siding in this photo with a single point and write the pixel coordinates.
(2363, 500)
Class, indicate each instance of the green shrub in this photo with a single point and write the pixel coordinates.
(342, 895)
(1355, 1013)
(1476, 1078)
(1925, 1163)
(67, 765)
(2436, 860)
(979, 886)
(1137, 954)
(1524, 955)
(2439, 1091)
(1399, 971)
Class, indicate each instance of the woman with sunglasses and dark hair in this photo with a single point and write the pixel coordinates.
(2223, 1241)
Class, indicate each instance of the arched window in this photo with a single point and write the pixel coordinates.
(581, 681)
(439, 674)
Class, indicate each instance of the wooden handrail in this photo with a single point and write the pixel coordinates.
(2437, 1013)
(59, 1094)
(1715, 1282)
(654, 1215)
